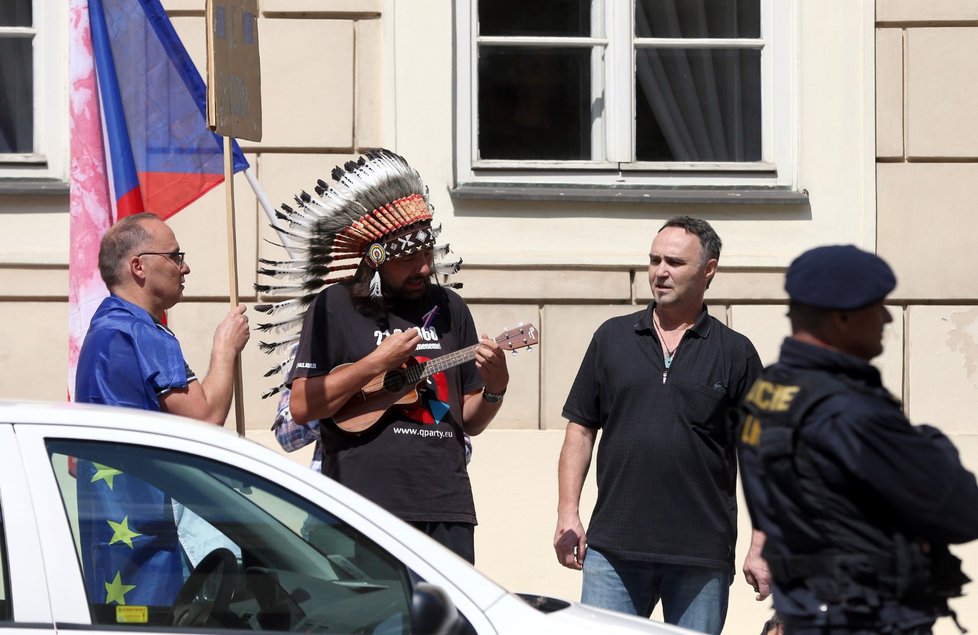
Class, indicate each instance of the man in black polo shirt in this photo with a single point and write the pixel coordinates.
(659, 384)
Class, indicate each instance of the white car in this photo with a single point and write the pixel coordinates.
(120, 520)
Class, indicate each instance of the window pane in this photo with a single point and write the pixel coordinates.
(535, 17)
(15, 13)
(16, 95)
(252, 555)
(698, 105)
(698, 18)
(534, 103)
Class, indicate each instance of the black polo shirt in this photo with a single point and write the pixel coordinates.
(666, 458)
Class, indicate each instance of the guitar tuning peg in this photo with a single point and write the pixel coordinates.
(520, 324)
(515, 352)
(529, 348)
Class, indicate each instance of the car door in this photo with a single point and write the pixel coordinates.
(24, 603)
(262, 550)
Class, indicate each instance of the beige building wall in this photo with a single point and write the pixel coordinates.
(885, 139)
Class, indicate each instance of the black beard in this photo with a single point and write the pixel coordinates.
(400, 295)
(373, 307)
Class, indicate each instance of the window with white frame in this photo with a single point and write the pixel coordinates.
(643, 92)
(33, 98)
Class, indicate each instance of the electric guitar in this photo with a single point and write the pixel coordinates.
(399, 386)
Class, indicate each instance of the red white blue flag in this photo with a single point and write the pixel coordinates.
(139, 135)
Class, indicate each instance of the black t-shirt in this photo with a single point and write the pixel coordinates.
(412, 461)
(666, 464)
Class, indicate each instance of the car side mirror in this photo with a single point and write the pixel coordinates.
(432, 611)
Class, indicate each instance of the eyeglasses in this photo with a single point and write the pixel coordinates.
(175, 256)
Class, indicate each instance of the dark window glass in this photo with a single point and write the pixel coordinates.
(15, 13)
(535, 17)
(16, 80)
(698, 105)
(534, 103)
(698, 18)
(16, 95)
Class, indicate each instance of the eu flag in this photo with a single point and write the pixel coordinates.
(130, 550)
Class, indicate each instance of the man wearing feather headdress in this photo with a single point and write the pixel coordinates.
(358, 330)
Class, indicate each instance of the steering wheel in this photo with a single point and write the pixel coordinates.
(193, 606)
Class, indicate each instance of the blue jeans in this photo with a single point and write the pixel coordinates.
(692, 597)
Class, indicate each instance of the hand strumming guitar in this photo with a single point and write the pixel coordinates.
(321, 397)
(393, 351)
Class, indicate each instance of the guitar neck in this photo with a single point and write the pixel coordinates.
(425, 370)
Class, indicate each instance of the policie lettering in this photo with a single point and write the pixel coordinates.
(768, 397)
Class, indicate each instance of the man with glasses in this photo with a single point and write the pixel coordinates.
(137, 543)
(129, 357)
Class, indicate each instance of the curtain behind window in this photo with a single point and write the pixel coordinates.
(698, 104)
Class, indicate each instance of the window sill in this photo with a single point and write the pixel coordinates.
(33, 187)
(632, 194)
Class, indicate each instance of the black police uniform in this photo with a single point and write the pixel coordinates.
(858, 505)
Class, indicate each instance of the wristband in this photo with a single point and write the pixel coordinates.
(493, 397)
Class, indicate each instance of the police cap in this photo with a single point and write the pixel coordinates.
(838, 277)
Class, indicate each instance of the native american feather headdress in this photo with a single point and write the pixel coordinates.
(376, 209)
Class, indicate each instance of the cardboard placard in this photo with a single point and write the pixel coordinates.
(233, 69)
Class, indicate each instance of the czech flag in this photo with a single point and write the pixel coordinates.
(139, 135)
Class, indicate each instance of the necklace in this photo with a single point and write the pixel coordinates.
(668, 354)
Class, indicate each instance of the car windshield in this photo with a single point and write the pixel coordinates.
(168, 538)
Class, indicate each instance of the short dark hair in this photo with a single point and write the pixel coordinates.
(709, 240)
(119, 242)
(807, 318)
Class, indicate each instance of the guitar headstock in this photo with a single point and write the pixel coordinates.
(521, 336)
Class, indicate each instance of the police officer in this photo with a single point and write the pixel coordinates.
(857, 505)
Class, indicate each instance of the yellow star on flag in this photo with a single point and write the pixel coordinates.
(105, 473)
(122, 533)
(115, 591)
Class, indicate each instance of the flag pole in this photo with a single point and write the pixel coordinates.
(233, 111)
(238, 386)
(266, 206)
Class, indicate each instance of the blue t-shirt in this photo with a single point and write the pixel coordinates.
(128, 358)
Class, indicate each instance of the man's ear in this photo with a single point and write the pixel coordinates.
(837, 321)
(135, 268)
(710, 270)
